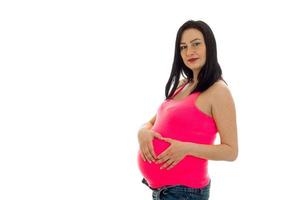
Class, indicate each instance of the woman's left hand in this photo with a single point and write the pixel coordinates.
(173, 154)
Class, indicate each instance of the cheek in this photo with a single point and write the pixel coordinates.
(183, 58)
(203, 56)
(202, 52)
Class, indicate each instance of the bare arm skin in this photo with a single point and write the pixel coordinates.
(224, 114)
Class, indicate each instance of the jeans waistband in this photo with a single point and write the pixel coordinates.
(179, 187)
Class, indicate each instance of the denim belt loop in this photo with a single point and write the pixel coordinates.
(157, 192)
(162, 190)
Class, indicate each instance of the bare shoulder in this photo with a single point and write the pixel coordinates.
(221, 96)
(224, 114)
(219, 90)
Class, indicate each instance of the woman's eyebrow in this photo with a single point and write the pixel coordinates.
(190, 41)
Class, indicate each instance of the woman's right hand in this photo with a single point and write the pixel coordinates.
(145, 137)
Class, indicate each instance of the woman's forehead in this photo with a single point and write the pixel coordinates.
(191, 34)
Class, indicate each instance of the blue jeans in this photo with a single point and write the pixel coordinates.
(179, 192)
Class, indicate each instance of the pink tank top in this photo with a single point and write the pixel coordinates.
(180, 120)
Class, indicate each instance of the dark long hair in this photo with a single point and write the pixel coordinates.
(209, 73)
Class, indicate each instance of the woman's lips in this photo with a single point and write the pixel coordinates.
(192, 60)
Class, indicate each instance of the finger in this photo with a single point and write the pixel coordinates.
(163, 154)
(166, 139)
(169, 162)
(164, 158)
(157, 135)
(146, 154)
(150, 153)
(173, 164)
(142, 155)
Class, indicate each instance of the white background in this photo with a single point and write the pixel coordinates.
(78, 78)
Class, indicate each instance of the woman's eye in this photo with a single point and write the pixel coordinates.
(196, 44)
(182, 47)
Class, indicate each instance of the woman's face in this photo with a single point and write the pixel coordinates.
(193, 49)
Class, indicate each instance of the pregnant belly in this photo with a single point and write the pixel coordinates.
(156, 176)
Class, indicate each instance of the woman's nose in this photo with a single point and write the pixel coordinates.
(189, 51)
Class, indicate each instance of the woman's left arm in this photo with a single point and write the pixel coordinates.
(224, 114)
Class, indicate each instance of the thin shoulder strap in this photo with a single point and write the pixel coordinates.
(179, 89)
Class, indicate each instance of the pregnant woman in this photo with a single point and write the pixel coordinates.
(176, 144)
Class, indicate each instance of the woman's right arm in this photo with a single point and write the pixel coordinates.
(150, 123)
(146, 135)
